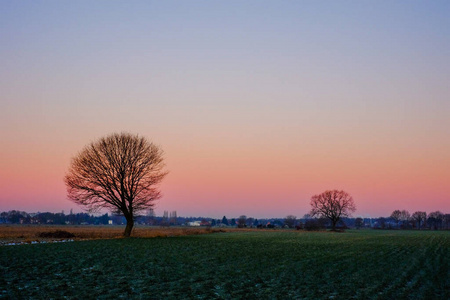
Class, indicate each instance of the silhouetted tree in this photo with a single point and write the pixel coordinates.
(332, 205)
(359, 222)
(241, 221)
(381, 222)
(119, 172)
(4, 217)
(103, 219)
(225, 221)
(419, 217)
(447, 221)
(396, 216)
(405, 218)
(316, 224)
(289, 221)
(435, 220)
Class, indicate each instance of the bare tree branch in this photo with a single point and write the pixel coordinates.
(120, 172)
(332, 204)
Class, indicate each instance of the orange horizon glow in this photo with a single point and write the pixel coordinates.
(273, 183)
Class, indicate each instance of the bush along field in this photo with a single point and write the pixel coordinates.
(232, 265)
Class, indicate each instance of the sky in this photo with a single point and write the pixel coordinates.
(258, 105)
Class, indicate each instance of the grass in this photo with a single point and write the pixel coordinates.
(241, 264)
(33, 233)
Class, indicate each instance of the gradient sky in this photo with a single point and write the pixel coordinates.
(258, 105)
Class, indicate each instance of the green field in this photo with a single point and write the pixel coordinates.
(263, 265)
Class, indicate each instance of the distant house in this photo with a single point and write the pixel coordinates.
(194, 223)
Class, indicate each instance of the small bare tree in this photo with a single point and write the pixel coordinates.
(405, 217)
(420, 217)
(120, 172)
(242, 221)
(359, 222)
(289, 221)
(435, 220)
(332, 205)
(396, 216)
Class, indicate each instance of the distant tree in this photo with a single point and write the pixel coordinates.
(119, 172)
(435, 220)
(359, 222)
(241, 221)
(249, 222)
(233, 222)
(103, 219)
(315, 224)
(278, 222)
(289, 221)
(213, 222)
(225, 221)
(396, 216)
(447, 221)
(4, 217)
(14, 216)
(405, 218)
(256, 223)
(419, 217)
(333, 205)
(381, 223)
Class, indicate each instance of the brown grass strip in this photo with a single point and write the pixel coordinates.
(30, 233)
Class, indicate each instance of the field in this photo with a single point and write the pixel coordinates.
(230, 265)
(26, 234)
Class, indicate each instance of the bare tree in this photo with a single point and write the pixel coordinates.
(405, 217)
(332, 205)
(359, 222)
(419, 217)
(289, 221)
(120, 172)
(396, 216)
(435, 220)
(242, 221)
(447, 221)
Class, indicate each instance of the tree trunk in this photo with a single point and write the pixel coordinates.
(130, 224)
(333, 225)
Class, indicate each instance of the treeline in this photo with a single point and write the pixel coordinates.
(21, 217)
(402, 219)
(167, 219)
(399, 219)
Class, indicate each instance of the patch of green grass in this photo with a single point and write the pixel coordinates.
(263, 265)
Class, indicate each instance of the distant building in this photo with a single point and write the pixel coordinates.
(194, 223)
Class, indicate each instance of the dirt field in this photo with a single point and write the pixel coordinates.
(13, 234)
